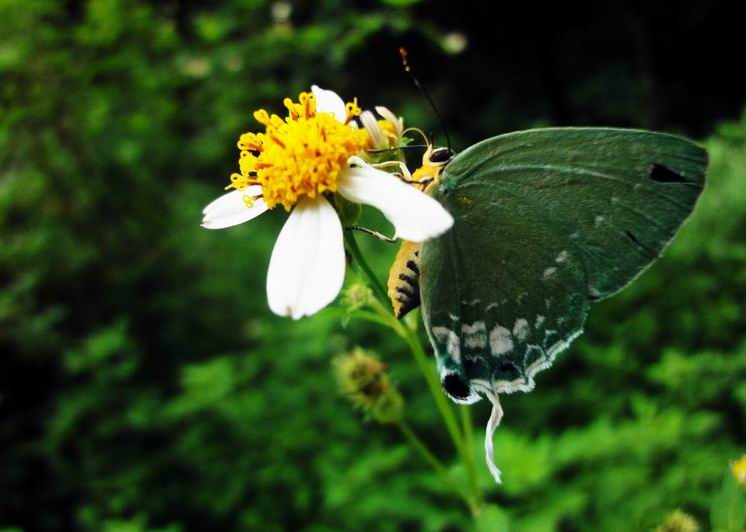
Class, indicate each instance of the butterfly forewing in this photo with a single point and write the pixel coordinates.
(546, 221)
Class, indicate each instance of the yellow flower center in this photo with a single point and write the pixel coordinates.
(298, 156)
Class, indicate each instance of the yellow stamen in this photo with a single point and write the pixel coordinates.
(238, 181)
(292, 107)
(262, 117)
(352, 109)
(251, 142)
(307, 104)
(301, 155)
(247, 163)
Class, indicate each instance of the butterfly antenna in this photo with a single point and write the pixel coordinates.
(405, 147)
(408, 69)
(428, 142)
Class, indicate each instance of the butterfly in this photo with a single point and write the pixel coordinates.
(547, 222)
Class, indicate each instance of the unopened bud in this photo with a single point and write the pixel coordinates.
(678, 521)
(357, 296)
(363, 380)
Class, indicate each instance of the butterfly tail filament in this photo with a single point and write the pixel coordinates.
(495, 417)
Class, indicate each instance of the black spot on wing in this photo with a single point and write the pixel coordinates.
(636, 241)
(412, 265)
(632, 237)
(456, 386)
(663, 174)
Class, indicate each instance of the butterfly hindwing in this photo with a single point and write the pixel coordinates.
(546, 221)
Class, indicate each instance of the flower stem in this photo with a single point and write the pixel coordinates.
(461, 441)
(446, 410)
(410, 337)
(471, 466)
(357, 256)
(436, 464)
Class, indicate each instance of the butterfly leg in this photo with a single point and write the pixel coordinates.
(404, 174)
(374, 234)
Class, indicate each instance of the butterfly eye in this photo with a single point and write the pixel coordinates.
(441, 155)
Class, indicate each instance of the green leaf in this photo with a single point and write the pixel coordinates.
(728, 511)
(492, 519)
(400, 3)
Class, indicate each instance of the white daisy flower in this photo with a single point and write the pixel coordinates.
(299, 163)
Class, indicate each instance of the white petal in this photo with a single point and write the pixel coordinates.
(374, 130)
(396, 121)
(230, 209)
(307, 267)
(415, 215)
(329, 102)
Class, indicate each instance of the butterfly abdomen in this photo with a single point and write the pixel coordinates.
(404, 279)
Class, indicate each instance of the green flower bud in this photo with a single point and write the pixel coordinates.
(357, 296)
(363, 380)
(678, 521)
(389, 408)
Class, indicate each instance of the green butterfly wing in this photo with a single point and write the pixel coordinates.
(546, 222)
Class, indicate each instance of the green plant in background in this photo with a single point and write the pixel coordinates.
(728, 512)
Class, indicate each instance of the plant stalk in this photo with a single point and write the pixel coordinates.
(357, 256)
(408, 333)
(436, 464)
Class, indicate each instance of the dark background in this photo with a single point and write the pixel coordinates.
(144, 384)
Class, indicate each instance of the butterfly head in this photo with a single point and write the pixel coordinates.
(433, 162)
(437, 156)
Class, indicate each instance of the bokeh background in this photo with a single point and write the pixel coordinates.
(144, 384)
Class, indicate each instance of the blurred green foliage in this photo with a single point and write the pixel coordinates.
(144, 384)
